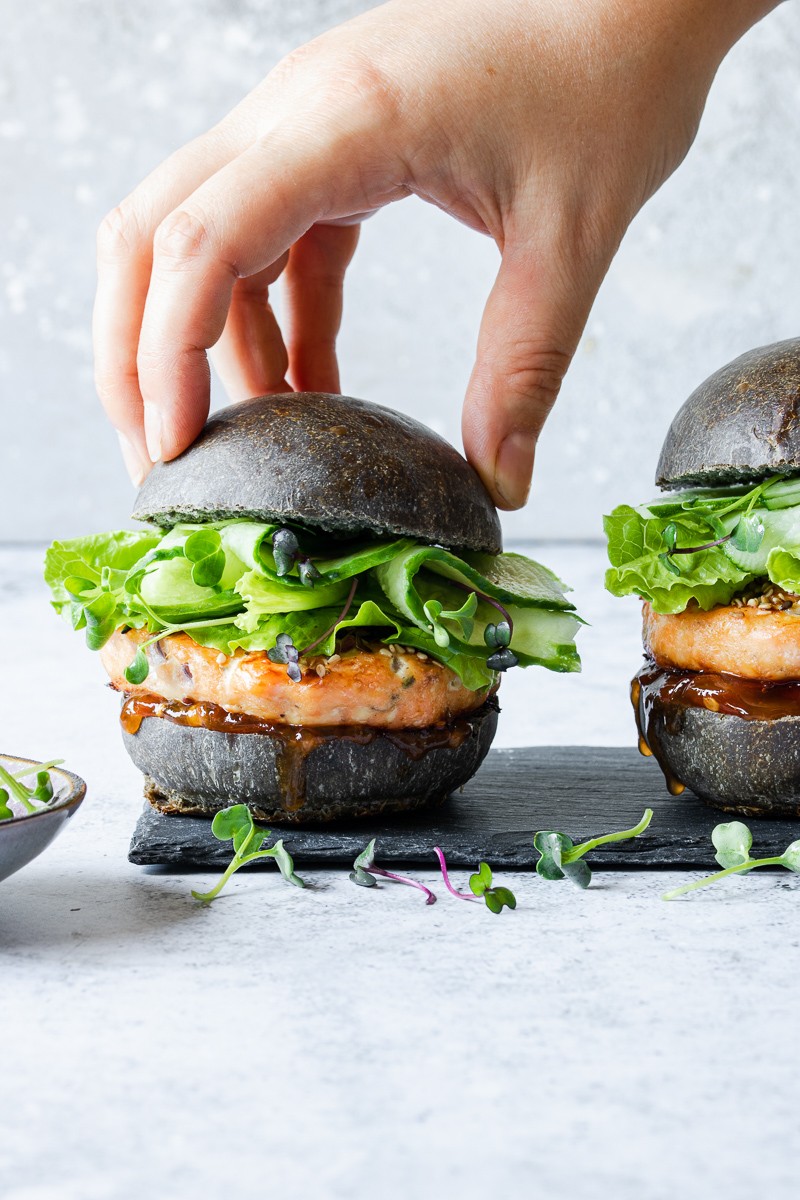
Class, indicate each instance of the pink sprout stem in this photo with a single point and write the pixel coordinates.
(429, 896)
(697, 549)
(506, 615)
(340, 617)
(453, 891)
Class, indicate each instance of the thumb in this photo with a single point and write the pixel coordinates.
(531, 325)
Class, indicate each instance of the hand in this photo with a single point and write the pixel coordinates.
(545, 124)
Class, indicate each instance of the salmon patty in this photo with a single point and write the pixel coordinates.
(755, 642)
(386, 687)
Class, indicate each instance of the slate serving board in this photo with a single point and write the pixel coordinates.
(579, 790)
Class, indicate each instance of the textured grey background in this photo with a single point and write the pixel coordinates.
(92, 95)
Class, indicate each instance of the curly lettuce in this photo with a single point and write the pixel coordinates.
(741, 535)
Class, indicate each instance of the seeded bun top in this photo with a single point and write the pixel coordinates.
(741, 425)
(327, 461)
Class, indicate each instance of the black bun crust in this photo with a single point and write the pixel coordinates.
(748, 767)
(199, 771)
(328, 461)
(741, 425)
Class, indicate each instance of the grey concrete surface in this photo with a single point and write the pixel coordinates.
(93, 95)
(336, 1041)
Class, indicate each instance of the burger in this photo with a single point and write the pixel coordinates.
(314, 617)
(716, 561)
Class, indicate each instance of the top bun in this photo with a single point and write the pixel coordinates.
(328, 461)
(739, 426)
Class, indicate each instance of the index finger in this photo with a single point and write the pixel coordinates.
(244, 218)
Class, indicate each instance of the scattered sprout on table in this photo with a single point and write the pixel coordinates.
(365, 870)
(732, 842)
(236, 824)
(560, 858)
(481, 886)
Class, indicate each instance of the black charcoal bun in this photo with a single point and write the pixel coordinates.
(739, 426)
(199, 771)
(332, 462)
(747, 767)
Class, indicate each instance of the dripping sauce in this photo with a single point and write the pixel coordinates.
(748, 699)
(296, 741)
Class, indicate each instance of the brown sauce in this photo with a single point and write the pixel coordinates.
(749, 699)
(297, 741)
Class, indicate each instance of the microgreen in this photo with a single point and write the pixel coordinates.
(497, 637)
(285, 651)
(347, 606)
(365, 869)
(560, 858)
(32, 799)
(204, 550)
(139, 668)
(732, 842)
(100, 617)
(480, 883)
(495, 898)
(236, 824)
(437, 850)
(285, 549)
(464, 617)
(286, 552)
(746, 535)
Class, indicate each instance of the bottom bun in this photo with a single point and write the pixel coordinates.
(744, 765)
(305, 775)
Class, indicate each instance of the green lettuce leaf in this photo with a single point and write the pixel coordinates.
(263, 596)
(783, 568)
(636, 547)
(85, 558)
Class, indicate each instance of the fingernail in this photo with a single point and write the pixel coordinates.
(133, 460)
(152, 431)
(513, 467)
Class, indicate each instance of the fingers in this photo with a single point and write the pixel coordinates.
(531, 325)
(124, 258)
(250, 357)
(315, 284)
(238, 223)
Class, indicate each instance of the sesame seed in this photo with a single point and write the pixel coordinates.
(421, 656)
(334, 658)
(321, 670)
(752, 602)
(221, 658)
(385, 651)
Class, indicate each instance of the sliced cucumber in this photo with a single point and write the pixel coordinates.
(783, 493)
(692, 498)
(781, 528)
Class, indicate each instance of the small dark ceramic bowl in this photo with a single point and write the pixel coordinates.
(24, 837)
